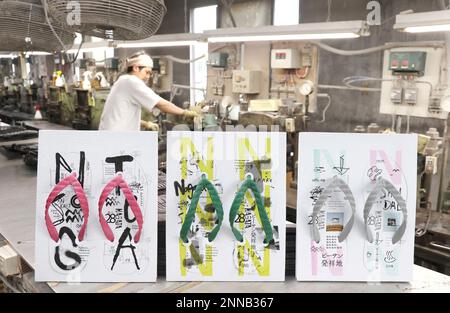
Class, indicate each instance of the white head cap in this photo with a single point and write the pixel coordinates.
(140, 59)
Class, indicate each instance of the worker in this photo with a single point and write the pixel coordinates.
(130, 93)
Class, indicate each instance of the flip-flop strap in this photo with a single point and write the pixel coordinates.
(189, 219)
(118, 181)
(383, 183)
(84, 204)
(249, 183)
(342, 185)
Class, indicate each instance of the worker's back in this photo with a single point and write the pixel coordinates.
(123, 107)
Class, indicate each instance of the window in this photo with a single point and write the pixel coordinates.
(203, 18)
(102, 53)
(286, 12)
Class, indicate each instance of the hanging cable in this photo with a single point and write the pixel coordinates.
(227, 4)
(349, 88)
(349, 81)
(78, 52)
(185, 61)
(320, 95)
(44, 4)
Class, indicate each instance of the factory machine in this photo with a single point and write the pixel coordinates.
(262, 86)
(415, 84)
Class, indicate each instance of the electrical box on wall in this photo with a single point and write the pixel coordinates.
(246, 82)
(412, 82)
(87, 63)
(112, 63)
(412, 62)
(162, 79)
(160, 66)
(218, 59)
(286, 59)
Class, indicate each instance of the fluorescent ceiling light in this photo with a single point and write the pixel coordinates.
(37, 53)
(172, 40)
(27, 54)
(310, 31)
(8, 56)
(83, 50)
(435, 21)
(282, 37)
(428, 29)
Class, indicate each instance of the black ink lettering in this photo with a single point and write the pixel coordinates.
(69, 254)
(126, 214)
(72, 216)
(74, 202)
(110, 201)
(60, 161)
(240, 218)
(118, 163)
(183, 189)
(125, 235)
(111, 218)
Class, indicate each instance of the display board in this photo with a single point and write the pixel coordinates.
(356, 207)
(226, 206)
(96, 209)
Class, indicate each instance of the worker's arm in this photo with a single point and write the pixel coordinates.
(149, 126)
(170, 108)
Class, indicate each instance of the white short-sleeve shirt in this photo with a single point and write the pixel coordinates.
(123, 107)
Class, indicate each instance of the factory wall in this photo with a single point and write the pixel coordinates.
(352, 108)
(349, 108)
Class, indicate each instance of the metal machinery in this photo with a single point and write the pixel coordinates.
(111, 70)
(162, 83)
(89, 103)
(415, 84)
(162, 75)
(54, 104)
(89, 107)
(262, 86)
(82, 116)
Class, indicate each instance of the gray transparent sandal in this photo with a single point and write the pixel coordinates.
(342, 185)
(385, 184)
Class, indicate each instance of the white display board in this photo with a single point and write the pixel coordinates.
(227, 161)
(124, 249)
(356, 207)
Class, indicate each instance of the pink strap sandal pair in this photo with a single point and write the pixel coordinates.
(72, 180)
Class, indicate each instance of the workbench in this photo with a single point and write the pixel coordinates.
(17, 226)
(43, 125)
(11, 117)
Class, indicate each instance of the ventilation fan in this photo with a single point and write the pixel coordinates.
(111, 19)
(23, 27)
